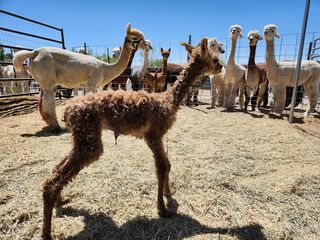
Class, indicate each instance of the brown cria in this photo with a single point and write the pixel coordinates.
(140, 114)
(156, 81)
(256, 80)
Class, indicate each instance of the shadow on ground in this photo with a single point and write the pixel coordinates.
(180, 226)
(45, 132)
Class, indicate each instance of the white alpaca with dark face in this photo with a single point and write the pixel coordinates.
(281, 75)
(234, 77)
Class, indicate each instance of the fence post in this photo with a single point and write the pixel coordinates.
(108, 58)
(309, 51)
(189, 41)
(297, 72)
(85, 47)
(62, 38)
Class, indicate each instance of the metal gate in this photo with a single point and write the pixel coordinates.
(7, 80)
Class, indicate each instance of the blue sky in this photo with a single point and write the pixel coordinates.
(165, 23)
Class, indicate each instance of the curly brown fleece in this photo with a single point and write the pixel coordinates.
(140, 114)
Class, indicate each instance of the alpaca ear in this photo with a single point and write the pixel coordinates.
(128, 28)
(161, 50)
(169, 50)
(188, 47)
(240, 35)
(277, 35)
(204, 46)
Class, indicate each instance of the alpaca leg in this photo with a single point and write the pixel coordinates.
(87, 149)
(47, 108)
(213, 93)
(227, 91)
(266, 96)
(232, 97)
(254, 100)
(312, 93)
(162, 169)
(189, 96)
(195, 96)
(247, 96)
(262, 90)
(279, 93)
(220, 92)
(241, 95)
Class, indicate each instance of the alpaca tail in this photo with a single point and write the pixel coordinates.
(19, 59)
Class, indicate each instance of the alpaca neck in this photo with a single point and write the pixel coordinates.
(145, 62)
(165, 66)
(252, 56)
(232, 52)
(186, 79)
(111, 71)
(270, 56)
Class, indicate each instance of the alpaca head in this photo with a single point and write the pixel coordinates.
(165, 54)
(149, 46)
(202, 53)
(254, 37)
(116, 52)
(235, 31)
(216, 47)
(270, 31)
(135, 39)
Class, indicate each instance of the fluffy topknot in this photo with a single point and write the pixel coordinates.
(270, 26)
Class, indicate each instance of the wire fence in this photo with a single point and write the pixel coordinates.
(14, 83)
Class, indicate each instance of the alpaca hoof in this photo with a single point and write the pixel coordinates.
(169, 192)
(46, 237)
(56, 129)
(62, 201)
(165, 213)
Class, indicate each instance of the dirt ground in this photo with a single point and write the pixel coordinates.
(237, 176)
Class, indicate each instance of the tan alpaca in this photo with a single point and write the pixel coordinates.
(256, 81)
(281, 75)
(235, 73)
(155, 82)
(139, 114)
(53, 66)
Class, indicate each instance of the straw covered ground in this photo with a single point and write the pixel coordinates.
(237, 176)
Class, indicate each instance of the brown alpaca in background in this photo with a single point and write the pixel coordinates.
(140, 114)
(157, 81)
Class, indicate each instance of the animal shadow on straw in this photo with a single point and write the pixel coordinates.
(180, 226)
(45, 132)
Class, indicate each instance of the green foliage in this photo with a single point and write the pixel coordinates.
(104, 58)
(156, 62)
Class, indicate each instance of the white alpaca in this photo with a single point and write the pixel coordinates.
(217, 80)
(256, 81)
(235, 74)
(116, 52)
(282, 74)
(53, 66)
(9, 72)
